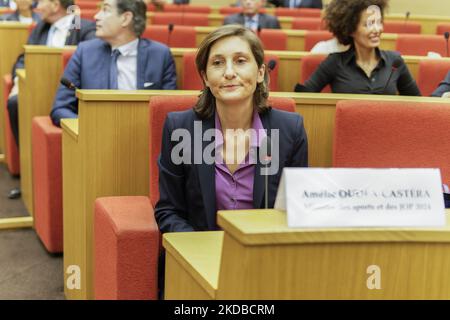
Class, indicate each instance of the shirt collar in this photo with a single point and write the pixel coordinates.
(64, 23)
(350, 55)
(128, 49)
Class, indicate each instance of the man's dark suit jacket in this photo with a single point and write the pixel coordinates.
(444, 87)
(265, 21)
(40, 33)
(89, 68)
(304, 4)
(187, 191)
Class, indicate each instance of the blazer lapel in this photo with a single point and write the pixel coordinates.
(142, 59)
(262, 21)
(206, 174)
(258, 180)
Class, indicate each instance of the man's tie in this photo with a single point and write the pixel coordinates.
(113, 73)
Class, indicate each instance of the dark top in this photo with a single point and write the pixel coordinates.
(444, 87)
(343, 74)
(187, 193)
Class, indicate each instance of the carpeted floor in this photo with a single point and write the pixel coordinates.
(27, 270)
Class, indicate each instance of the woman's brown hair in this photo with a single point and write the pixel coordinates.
(207, 103)
(342, 17)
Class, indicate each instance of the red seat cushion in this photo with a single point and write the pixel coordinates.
(126, 249)
(312, 37)
(371, 134)
(402, 27)
(47, 183)
(431, 73)
(308, 23)
(309, 65)
(180, 37)
(421, 44)
(273, 39)
(179, 18)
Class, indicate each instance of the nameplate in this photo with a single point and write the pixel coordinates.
(322, 198)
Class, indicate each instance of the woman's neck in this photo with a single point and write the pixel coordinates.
(365, 55)
(235, 116)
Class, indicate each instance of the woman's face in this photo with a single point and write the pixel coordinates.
(370, 28)
(231, 71)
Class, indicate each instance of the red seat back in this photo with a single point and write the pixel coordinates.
(88, 14)
(88, 4)
(233, 10)
(431, 73)
(308, 24)
(159, 107)
(181, 8)
(302, 12)
(421, 44)
(370, 134)
(313, 37)
(191, 80)
(273, 39)
(402, 27)
(179, 18)
(308, 65)
(442, 28)
(66, 55)
(180, 37)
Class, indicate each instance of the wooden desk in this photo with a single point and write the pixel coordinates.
(257, 256)
(13, 35)
(114, 161)
(43, 73)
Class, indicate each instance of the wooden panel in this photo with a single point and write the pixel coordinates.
(43, 73)
(74, 223)
(13, 35)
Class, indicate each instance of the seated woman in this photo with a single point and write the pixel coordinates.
(217, 165)
(363, 68)
(24, 13)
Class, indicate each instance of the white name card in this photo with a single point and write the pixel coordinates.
(322, 198)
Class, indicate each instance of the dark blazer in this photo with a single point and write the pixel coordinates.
(187, 191)
(304, 4)
(265, 21)
(89, 69)
(40, 33)
(444, 87)
(15, 17)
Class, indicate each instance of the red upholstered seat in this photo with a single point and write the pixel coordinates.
(126, 235)
(305, 23)
(312, 37)
(431, 73)
(66, 55)
(47, 183)
(11, 150)
(180, 18)
(402, 27)
(191, 79)
(180, 37)
(233, 10)
(303, 12)
(88, 4)
(88, 14)
(442, 27)
(371, 134)
(421, 44)
(181, 8)
(308, 66)
(273, 39)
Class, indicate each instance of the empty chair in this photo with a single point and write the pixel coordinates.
(126, 235)
(273, 39)
(179, 37)
(313, 37)
(442, 28)
(370, 134)
(179, 18)
(191, 79)
(402, 27)
(431, 73)
(11, 150)
(303, 12)
(308, 24)
(421, 44)
(308, 66)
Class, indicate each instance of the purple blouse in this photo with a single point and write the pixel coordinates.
(235, 191)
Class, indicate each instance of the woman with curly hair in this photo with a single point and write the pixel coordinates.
(363, 68)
